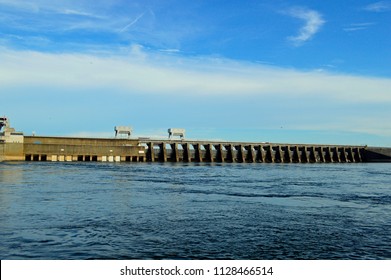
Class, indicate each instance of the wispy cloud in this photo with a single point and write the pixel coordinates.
(381, 6)
(134, 21)
(126, 21)
(48, 7)
(22, 5)
(54, 16)
(358, 26)
(80, 13)
(313, 21)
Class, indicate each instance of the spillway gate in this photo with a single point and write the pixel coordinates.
(193, 151)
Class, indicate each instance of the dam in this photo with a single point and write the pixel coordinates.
(15, 146)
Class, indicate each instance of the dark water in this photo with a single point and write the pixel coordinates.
(195, 211)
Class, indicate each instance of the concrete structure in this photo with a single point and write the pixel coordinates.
(15, 146)
(9, 135)
(82, 149)
(123, 130)
(176, 132)
(11, 142)
(36, 148)
(377, 154)
(211, 151)
(3, 122)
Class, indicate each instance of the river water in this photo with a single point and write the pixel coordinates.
(194, 211)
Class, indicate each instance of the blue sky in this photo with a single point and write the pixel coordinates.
(281, 71)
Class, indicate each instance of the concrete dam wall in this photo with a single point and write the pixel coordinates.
(82, 149)
(190, 151)
(15, 146)
(70, 149)
(378, 154)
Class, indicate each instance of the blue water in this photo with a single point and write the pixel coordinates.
(194, 211)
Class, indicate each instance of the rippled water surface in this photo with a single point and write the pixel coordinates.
(194, 211)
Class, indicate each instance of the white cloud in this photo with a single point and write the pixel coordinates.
(22, 5)
(134, 21)
(381, 6)
(59, 15)
(139, 71)
(365, 124)
(334, 102)
(313, 21)
(358, 26)
(48, 7)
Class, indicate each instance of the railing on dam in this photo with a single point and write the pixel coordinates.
(193, 151)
